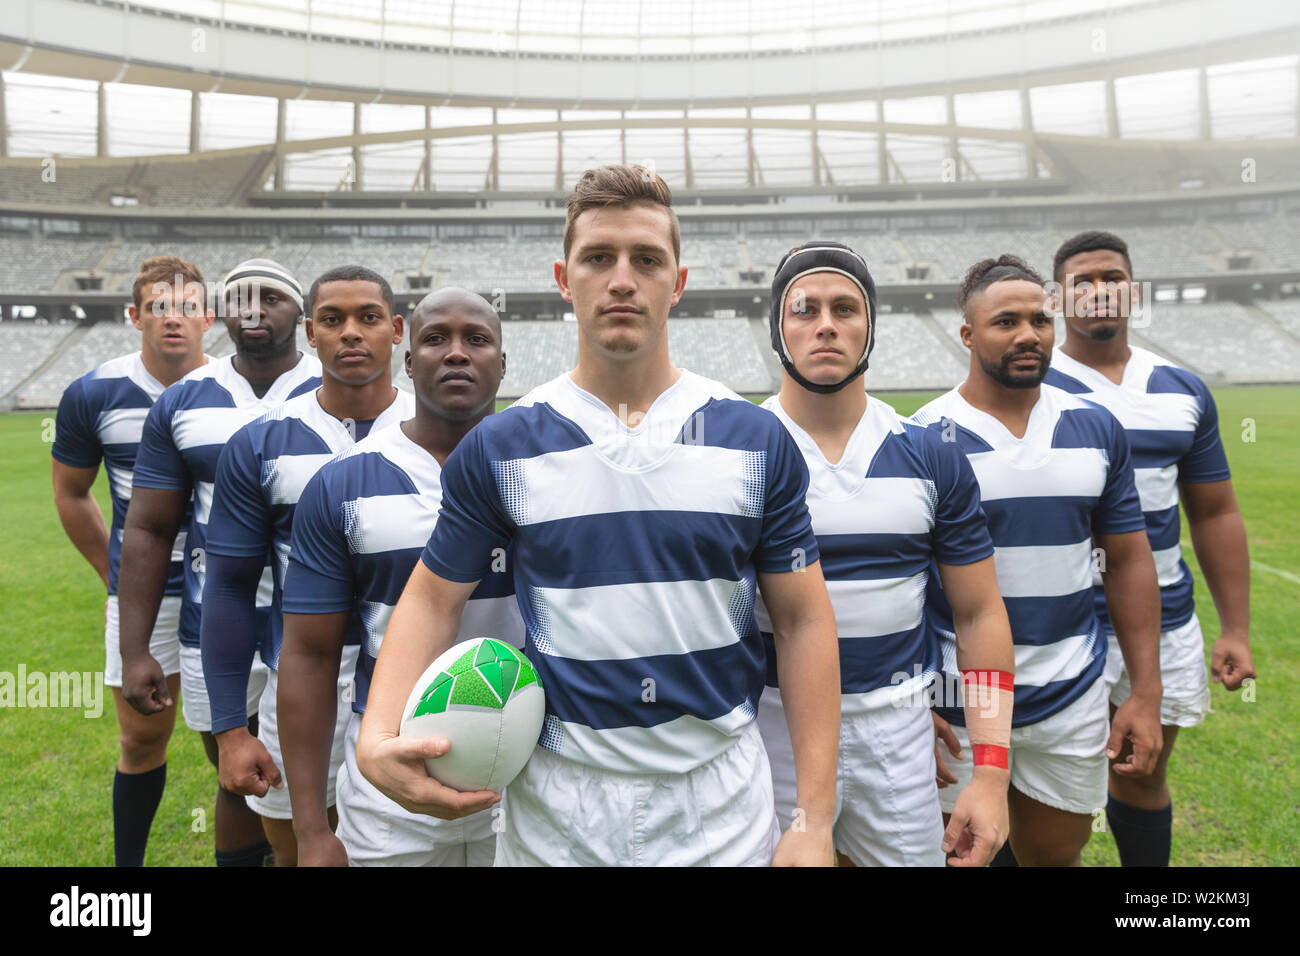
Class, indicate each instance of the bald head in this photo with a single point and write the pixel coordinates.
(440, 302)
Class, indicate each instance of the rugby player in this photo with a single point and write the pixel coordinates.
(183, 435)
(260, 475)
(886, 497)
(100, 418)
(1173, 428)
(1055, 480)
(358, 530)
(644, 504)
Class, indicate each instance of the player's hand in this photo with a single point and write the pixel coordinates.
(244, 764)
(979, 823)
(943, 732)
(1135, 737)
(321, 848)
(1230, 661)
(144, 685)
(809, 846)
(395, 765)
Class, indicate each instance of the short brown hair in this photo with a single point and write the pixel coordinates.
(165, 269)
(620, 186)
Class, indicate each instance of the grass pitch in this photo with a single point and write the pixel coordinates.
(1234, 779)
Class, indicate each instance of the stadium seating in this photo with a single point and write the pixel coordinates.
(30, 264)
(71, 185)
(1275, 241)
(100, 343)
(1224, 341)
(207, 183)
(1286, 312)
(1174, 250)
(183, 182)
(27, 345)
(720, 349)
(910, 353)
(214, 258)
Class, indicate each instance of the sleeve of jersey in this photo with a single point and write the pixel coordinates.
(158, 462)
(228, 635)
(471, 523)
(786, 542)
(961, 532)
(239, 525)
(1119, 509)
(238, 537)
(76, 443)
(320, 578)
(1206, 459)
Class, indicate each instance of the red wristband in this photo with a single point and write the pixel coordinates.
(989, 755)
(994, 680)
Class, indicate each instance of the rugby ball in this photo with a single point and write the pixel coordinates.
(486, 699)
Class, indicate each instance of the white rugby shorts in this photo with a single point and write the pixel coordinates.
(558, 812)
(275, 804)
(195, 707)
(1059, 761)
(375, 831)
(887, 803)
(1183, 675)
(164, 642)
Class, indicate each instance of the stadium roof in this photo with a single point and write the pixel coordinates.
(504, 95)
(634, 27)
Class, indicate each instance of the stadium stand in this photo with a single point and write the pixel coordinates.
(1286, 312)
(911, 352)
(165, 182)
(213, 258)
(210, 183)
(101, 342)
(1224, 341)
(34, 264)
(1274, 242)
(27, 345)
(71, 185)
(720, 349)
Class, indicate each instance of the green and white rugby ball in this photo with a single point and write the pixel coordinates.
(486, 699)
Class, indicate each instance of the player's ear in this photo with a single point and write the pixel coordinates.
(397, 330)
(562, 280)
(310, 330)
(680, 287)
(133, 314)
(967, 336)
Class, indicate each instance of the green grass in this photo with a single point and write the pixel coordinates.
(1235, 780)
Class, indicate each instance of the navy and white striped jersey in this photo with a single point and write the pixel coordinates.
(1173, 428)
(182, 440)
(636, 552)
(101, 416)
(1045, 495)
(358, 531)
(260, 476)
(897, 500)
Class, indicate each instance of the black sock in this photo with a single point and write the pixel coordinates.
(255, 855)
(1142, 836)
(135, 801)
(1004, 856)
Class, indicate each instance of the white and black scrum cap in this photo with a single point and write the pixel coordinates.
(265, 273)
(820, 255)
